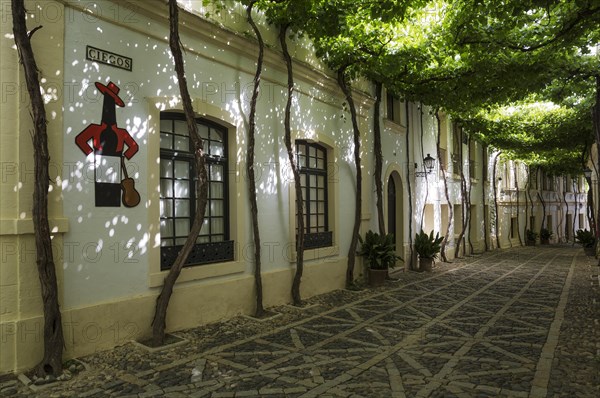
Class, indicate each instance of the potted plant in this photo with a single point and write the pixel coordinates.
(530, 238)
(380, 253)
(545, 236)
(587, 240)
(427, 247)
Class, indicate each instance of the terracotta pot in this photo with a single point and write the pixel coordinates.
(377, 277)
(425, 264)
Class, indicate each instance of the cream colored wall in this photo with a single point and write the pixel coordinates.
(105, 325)
(108, 292)
(20, 297)
(107, 259)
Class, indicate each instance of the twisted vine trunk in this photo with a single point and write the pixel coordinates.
(463, 191)
(296, 297)
(495, 170)
(596, 126)
(51, 363)
(446, 192)
(531, 202)
(162, 301)
(516, 175)
(590, 205)
(409, 188)
(378, 157)
(468, 205)
(483, 200)
(566, 213)
(541, 198)
(527, 186)
(423, 157)
(250, 163)
(343, 83)
(576, 215)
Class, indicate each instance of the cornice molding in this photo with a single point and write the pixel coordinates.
(210, 32)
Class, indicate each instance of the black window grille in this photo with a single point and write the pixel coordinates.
(390, 107)
(312, 165)
(178, 191)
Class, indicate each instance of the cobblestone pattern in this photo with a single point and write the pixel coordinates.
(514, 323)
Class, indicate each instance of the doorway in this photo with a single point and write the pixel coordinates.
(395, 218)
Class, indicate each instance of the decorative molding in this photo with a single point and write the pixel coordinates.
(206, 31)
(199, 272)
(25, 226)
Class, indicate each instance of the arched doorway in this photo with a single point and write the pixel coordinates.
(395, 214)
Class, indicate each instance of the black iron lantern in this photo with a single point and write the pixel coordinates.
(428, 166)
(429, 163)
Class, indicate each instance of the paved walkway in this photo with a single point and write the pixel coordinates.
(514, 323)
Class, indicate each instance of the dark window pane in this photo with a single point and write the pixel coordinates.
(216, 135)
(182, 169)
(216, 208)
(216, 172)
(320, 181)
(181, 127)
(166, 188)
(217, 226)
(182, 208)
(182, 226)
(182, 189)
(216, 148)
(166, 126)
(178, 192)
(216, 190)
(203, 131)
(166, 228)
(166, 141)
(301, 161)
(182, 143)
(166, 168)
(166, 208)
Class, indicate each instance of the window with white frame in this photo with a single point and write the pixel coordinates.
(178, 192)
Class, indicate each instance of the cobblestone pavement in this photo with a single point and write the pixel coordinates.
(523, 322)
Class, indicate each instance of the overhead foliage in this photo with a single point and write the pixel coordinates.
(539, 133)
(471, 59)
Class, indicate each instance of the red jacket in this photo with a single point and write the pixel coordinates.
(93, 131)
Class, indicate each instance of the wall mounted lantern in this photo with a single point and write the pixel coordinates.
(587, 172)
(428, 166)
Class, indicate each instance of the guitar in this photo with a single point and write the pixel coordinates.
(131, 196)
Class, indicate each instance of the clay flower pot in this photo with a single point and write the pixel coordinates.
(426, 264)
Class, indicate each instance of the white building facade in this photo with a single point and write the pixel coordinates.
(114, 111)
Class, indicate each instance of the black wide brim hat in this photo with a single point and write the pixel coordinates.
(112, 90)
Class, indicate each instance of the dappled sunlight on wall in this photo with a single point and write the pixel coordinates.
(109, 252)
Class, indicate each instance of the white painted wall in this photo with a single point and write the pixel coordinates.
(100, 240)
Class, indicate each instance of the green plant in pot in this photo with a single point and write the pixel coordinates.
(587, 240)
(545, 236)
(380, 253)
(428, 248)
(530, 237)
